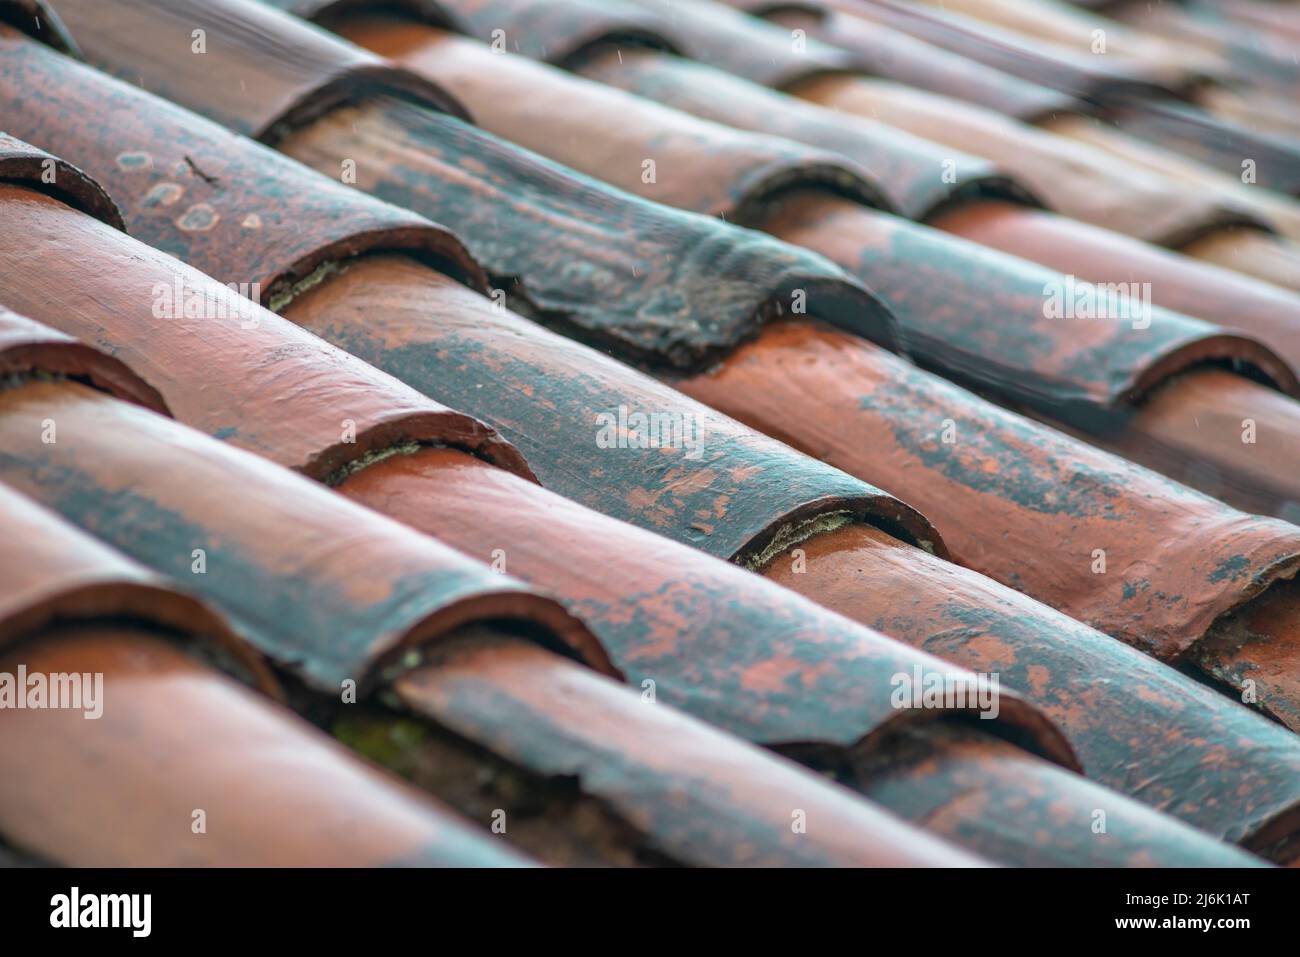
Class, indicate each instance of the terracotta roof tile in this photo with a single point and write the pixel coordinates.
(176, 733)
(1117, 353)
(495, 92)
(311, 408)
(1075, 180)
(987, 318)
(55, 575)
(684, 503)
(741, 281)
(488, 689)
(1000, 492)
(205, 185)
(1178, 282)
(892, 54)
(657, 766)
(1258, 56)
(325, 150)
(1082, 678)
(1219, 142)
(1072, 70)
(1059, 27)
(843, 815)
(788, 724)
(289, 86)
(957, 778)
(28, 348)
(885, 273)
(22, 163)
(275, 564)
(63, 602)
(1110, 700)
(760, 713)
(701, 166)
(900, 168)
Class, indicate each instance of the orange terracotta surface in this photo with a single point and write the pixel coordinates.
(1083, 679)
(28, 348)
(1258, 650)
(1264, 110)
(52, 573)
(446, 169)
(1078, 70)
(697, 165)
(642, 596)
(359, 589)
(176, 738)
(1273, 208)
(679, 697)
(898, 56)
(21, 162)
(1219, 433)
(290, 83)
(526, 690)
(954, 777)
(307, 405)
(1112, 702)
(1221, 295)
(983, 317)
(1274, 260)
(1015, 711)
(1006, 494)
(702, 797)
(1082, 183)
(1065, 26)
(544, 392)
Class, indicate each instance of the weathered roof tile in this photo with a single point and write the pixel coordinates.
(481, 688)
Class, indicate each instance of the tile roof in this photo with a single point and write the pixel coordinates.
(81, 414)
(178, 403)
(183, 729)
(1128, 352)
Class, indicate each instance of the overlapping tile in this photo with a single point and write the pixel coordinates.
(788, 729)
(152, 727)
(1059, 67)
(687, 502)
(899, 168)
(1107, 186)
(634, 317)
(856, 713)
(1019, 346)
(732, 801)
(1222, 144)
(466, 685)
(902, 167)
(1080, 594)
(787, 719)
(1097, 187)
(886, 52)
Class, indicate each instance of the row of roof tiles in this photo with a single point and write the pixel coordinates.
(1163, 616)
(382, 306)
(155, 482)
